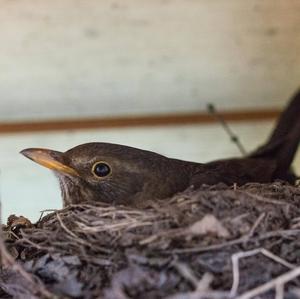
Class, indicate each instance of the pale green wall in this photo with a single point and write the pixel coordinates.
(80, 58)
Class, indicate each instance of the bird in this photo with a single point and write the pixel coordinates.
(119, 174)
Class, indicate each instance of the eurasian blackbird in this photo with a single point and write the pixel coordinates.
(120, 174)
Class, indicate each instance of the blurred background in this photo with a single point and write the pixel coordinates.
(139, 73)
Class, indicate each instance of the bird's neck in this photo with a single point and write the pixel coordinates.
(72, 191)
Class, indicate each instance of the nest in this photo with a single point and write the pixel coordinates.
(215, 242)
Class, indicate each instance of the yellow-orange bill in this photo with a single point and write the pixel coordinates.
(48, 158)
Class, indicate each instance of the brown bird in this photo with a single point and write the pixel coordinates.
(120, 174)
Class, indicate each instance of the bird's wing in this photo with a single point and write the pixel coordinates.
(232, 171)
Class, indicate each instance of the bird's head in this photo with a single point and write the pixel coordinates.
(111, 173)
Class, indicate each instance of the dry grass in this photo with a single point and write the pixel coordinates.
(216, 242)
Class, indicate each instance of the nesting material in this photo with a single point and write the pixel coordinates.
(216, 242)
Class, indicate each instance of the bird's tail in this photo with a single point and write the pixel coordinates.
(283, 143)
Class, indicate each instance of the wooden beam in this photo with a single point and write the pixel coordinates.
(135, 121)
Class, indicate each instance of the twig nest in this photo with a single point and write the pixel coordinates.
(165, 250)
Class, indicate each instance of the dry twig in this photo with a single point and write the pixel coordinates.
(87, 251)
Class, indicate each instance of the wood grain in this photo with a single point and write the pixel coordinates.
(135, 121)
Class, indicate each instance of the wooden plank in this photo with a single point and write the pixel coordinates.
(135, 121)
(144, 56)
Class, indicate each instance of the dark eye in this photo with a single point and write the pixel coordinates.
(101, 169)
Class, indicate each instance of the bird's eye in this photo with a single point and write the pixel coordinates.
(101, 169)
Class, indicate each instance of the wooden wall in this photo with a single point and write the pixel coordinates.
(71, 58)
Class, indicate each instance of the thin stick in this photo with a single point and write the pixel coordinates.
(234, 138)
(8, 261)
(282, 279)
(200, 295)
(263, 199)
(235, 264)
(186, 272)
(205, 282)
(278, 233)
(279, 291)
(70, 233)
(64, 227)
(256, 224)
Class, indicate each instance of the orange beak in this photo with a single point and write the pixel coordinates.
(50, 159)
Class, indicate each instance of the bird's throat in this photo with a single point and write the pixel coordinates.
(72, 191)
